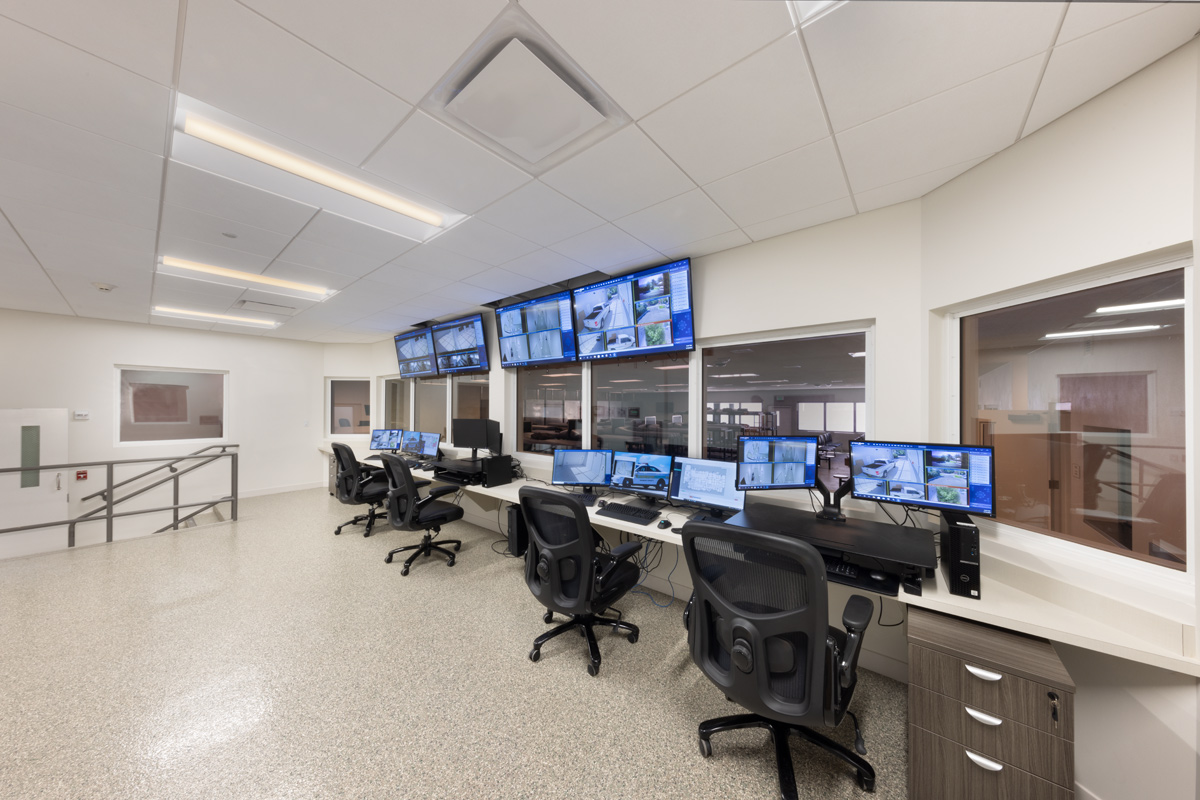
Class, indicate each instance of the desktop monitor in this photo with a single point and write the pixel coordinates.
(538, 331)
(386, 439)
(422, 445)
(582, 468)
(459, 346)
(776, 462)
(641, 473)
(414, 353)
(948, 477)
(649, 311)
(477, 434)
(711, 485)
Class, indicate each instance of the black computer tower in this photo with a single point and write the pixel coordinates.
(960, 555)
(518, 534)
(497, 470)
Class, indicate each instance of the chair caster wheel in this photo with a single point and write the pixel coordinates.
(534, 655)
(450, 561)
(366, 534)
(633, 637)
(337, 532)
(456, 547)
(705, 748)
(548, 617)
(865, 783)
(388, 559)
(593, 669)
(405, 570)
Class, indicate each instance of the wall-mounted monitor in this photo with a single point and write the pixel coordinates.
(422, 445)
(776, 462)
(536, 331)
(948, 477)
(711, 485)
(386, 439)
(649, 311)
(459, 345)
(414, 352)
(641, 473)
(582, 468)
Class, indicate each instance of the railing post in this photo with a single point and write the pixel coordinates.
(108, 504)
(175, 501)
(233, 485)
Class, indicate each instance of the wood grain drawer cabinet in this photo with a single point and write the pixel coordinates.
(991, 713)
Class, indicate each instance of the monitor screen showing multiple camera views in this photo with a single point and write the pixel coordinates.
(386, 438)
(416, 443)
(776, 462)
(414, 352)
(943, 476)
(641, 473)
(707, 484)
(459, 345)
(649, 311)
(582, 467)
(536, 331)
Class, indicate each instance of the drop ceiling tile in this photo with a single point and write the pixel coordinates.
(288, 271)
(132, 295)
(113, 265)
(44, 228)
(371, 243)
(13, 251)
(803, 178)
(605, 247)
(433, 306)
(538, 213)
(773, 84)
(624, 173)
(430, 158)
(874, 58)
(207, 253)
(807, 218)
(406, 47)
(328, 315)
(330, 259)
(546, 266)
(441, 262)
(177, 322)
(967, 122)
(411, 281)
(504, 281)
(46, 76)
(686, 218)
(175, 285)
(467, 295)
(389, 322)
(295, 90)
(1085, 18)
(191, 301)
(712, 244)
(219, 196)
(292, 330)
(678, 42)
(476, 239)
(281, 305)
(911, 188)
(188, 224)
(113, 314)
(28, 288)
(243, 330)
(66, 193)
(138, 35)
(366, 297)
(1085, 67)
(44, 143)
(344, 337)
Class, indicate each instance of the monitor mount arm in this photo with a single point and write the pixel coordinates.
(831, 504)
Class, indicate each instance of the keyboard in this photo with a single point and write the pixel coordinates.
(588, 500)
(635, 514)
(843, 569)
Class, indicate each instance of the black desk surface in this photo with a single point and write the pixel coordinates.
(871, 540)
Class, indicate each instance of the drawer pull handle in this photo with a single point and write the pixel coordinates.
(983, 674)
(979, 716)
(986, 763)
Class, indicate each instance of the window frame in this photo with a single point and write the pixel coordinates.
(328, 416)
(225, 436)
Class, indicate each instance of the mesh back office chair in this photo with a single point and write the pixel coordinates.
(358, 485)
(759, 629)
(409, 511)
(567, 574)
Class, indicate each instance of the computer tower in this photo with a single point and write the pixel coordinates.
(497, 470)
(960, 555)
(518, 534)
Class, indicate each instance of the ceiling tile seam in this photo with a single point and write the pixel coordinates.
(1037, 84)
(387, 138)
(38, 261)
(85, 130)
(177, 60)
(837, 148)
(292, 241)
(1150, 6)
(168, 137)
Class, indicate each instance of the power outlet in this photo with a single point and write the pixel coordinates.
(83, 416)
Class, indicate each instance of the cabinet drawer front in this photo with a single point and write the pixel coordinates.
(1036, 752)
(939, 769)
(992, 691)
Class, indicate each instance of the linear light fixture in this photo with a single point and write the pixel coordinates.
(249, 277)
(273, 156)
(674, 366)
(737, 375)
(560, 374)
(1135, 307)
(204, 316)
(629, 380)
(1101, 332)
(858, 355)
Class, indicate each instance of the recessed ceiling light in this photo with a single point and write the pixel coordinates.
(273, 156)
(1135, 307)
(1101, 332)
(205, 316)
(187, 269)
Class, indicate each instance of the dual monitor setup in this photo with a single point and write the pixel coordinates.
(472, 434)
(648, 311)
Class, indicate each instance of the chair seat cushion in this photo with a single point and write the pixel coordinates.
(437, 512)
(623, 578)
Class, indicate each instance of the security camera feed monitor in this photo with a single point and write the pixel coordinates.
(416, 443)
(459, 345)
(536, 331)
(414, 351)
(943, 476)
(582, 467)
(641, 473)
(647, 312)
(704, 483)
(776, 462)
(386, 439)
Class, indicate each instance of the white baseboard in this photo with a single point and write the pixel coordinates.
(281, 489)
(884, 665)
(1084, 793)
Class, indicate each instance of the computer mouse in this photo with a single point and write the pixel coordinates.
(878, 576)
(664, 523)
(602, 503)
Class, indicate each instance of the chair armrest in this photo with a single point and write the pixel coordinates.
(420, 483)
(855, 618)
(367, 474)
(438, 491)
(622, 552)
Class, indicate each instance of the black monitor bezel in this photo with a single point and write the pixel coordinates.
(553, 466)
(634, 352)
(927, 504)
(671, 485)
(773, 437)
(481, 347)
(500, 337)
(437, 443)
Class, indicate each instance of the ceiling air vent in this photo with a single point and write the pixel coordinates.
(267, 308)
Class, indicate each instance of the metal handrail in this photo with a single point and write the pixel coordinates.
(170, 465)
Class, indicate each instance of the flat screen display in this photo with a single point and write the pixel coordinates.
(537, 331)
(459, 345)
(416, 443)
(705, 483)
(944, 476)
(414, 352)
(649, 311)
(386, 438)
(641, 473)
(777, 462)
(582, 468)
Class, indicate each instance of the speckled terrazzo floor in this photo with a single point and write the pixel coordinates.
(268, 658)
